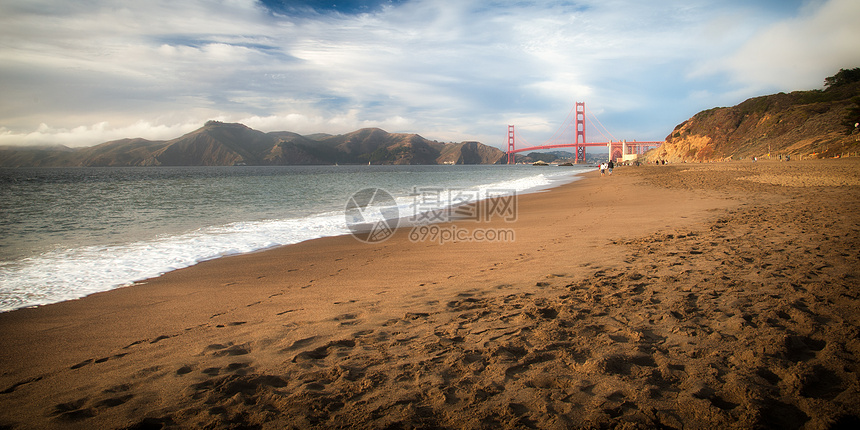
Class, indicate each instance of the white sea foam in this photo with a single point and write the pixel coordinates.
(74, 273)
(68, 274)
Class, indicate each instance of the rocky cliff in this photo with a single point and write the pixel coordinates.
(801, 123)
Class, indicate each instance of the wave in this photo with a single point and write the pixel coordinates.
(68, 274)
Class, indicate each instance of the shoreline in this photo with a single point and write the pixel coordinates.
(178, 245)
(609, 307)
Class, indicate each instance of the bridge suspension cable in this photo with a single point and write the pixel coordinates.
(565, 126)
(598, 130)
(523, 139)
(604, 128)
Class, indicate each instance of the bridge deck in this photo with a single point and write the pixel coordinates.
(588, 144)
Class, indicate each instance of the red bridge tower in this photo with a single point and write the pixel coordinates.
(580, 132)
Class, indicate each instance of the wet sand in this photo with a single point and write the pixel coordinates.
(682, 296)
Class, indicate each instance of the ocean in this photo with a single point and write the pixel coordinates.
(69, 232)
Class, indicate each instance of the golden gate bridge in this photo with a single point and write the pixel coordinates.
(571, 134)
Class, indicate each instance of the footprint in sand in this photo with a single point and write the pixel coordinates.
(21, 383)
(72, 411)
(802, 348)
(347, 319)
(228, 350)
(339, 346)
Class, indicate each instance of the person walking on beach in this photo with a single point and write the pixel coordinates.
(602, 169)
(609, 167)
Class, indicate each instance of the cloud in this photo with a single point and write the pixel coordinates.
(798, 53)
(82, 136)
(450, 70)
(86, 135)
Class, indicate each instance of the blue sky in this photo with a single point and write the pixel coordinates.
(82, 73)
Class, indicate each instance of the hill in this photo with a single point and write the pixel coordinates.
(814, 123)
(34, 156)
(226, 144)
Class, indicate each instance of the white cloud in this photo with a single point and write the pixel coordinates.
(799, 53)
(92, 134)
(452, 70)
(305, 124)
(102, 132)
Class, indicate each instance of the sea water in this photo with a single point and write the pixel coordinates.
(69, 232)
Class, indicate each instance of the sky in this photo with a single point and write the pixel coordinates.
(86, 72)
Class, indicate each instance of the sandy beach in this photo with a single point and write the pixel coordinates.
(682, 296)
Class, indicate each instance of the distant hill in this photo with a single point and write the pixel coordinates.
(801, 123)
(227, 144)
(35, 156)
(548, 156)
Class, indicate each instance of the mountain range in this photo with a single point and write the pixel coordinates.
(231, 144)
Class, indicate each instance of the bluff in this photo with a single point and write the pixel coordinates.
(816, 123)
(226, 144)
